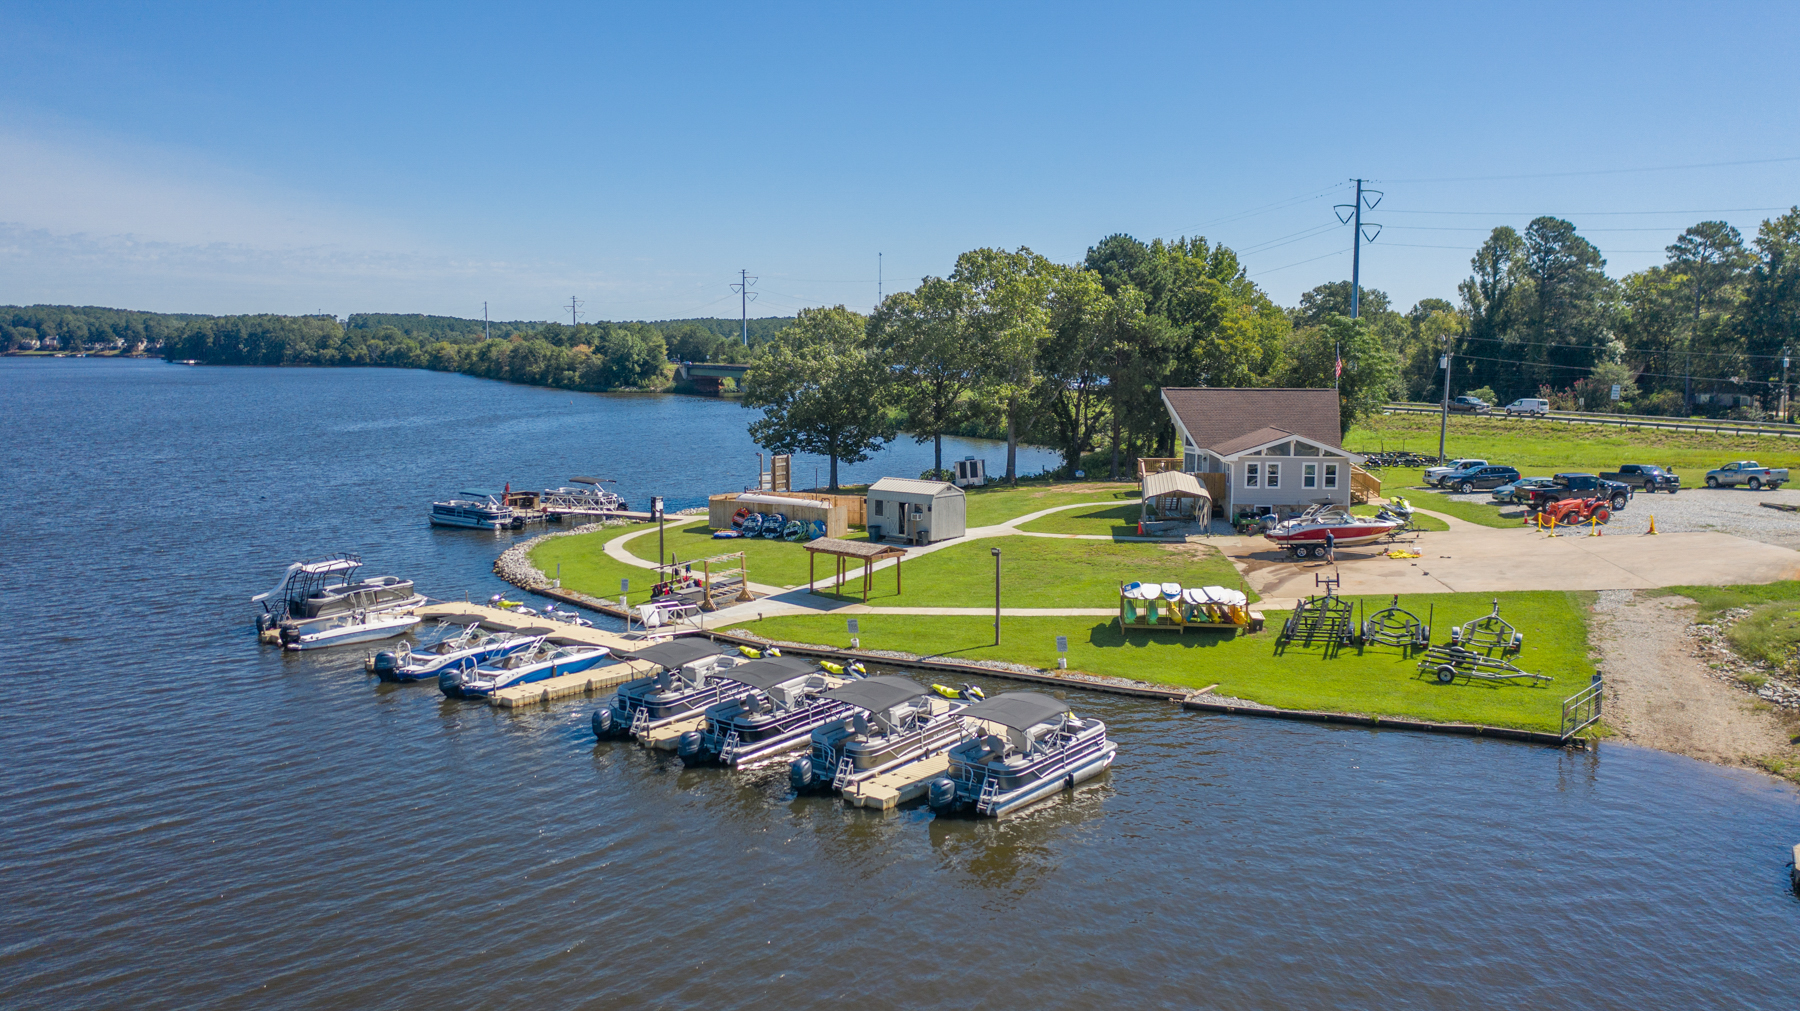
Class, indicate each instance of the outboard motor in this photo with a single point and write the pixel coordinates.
(688, 746)
(450, 683)
(603, 722)
(386, 663)
(800, 774)
(942, 793)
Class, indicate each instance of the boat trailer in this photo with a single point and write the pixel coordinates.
(1489, 631)
(1395, 626)
(1451, 662)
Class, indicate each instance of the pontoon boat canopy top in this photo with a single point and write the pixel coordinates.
(878, 694)
(324, 567)
(1018, 710)
(478, 493)
(673, 653)
(768, 672)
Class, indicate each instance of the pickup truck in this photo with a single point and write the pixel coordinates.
(1566, 486)
(1645, 476)
(1747, 472)
(1472, 405)
(1434, 474)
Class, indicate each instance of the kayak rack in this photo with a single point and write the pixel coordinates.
(1488, 632)
(1395, 626)
(1451, 662)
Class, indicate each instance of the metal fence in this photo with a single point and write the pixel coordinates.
(1582, 709)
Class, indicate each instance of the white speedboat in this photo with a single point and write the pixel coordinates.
(470, 647)
(1032, 746)
(345, 629)
(481, 510)
(328, 587)
(522, 668)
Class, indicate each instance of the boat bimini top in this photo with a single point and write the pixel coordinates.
(673, 653)
(770, 673)
(1019, 710)
(323, 567)
(879, 694)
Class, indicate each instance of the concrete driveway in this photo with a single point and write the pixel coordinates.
(1472, 558)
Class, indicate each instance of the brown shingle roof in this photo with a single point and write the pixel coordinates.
(1215, 416)
(1257, 438)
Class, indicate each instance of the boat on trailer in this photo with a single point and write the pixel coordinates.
(788, 701)
(546, 661)
(326, 588)
(687, 682)
(1306, 533)
(1032, 747)
(476, 509)
(468, 647)
(347, 629)
(894, 721)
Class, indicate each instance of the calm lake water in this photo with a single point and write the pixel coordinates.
(191, 819)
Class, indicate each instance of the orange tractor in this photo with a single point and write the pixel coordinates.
(1576, 510)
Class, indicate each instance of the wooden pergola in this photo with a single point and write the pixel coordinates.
(845, 551)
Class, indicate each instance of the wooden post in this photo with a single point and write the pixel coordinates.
(898, 588)
(865, 580)
(811, 557)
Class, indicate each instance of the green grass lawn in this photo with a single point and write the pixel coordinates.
(1045, 572)
(588, 569)
(1106, 520)
(1377, 680)
(997, 504)
(1549, 447)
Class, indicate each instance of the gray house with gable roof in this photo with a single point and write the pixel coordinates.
(1280, 450)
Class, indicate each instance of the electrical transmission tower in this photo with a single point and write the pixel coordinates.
(746, 297)
(574, 308)
(1356, 209)
(487, 332)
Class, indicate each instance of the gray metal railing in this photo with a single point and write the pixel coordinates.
(1582, 709)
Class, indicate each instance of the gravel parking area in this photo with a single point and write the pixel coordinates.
(1735, 511)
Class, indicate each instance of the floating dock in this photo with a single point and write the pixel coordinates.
(667, 736)
(891, 789)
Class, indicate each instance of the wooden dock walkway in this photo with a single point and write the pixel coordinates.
(538, 692)
(891, 789)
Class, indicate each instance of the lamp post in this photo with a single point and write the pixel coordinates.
(996, 596)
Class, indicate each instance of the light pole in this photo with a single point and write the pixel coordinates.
(1444, 418)
(996, 596)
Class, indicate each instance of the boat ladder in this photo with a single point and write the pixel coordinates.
(728, 750)
(990, 789)
(846, 770)
(640, 721)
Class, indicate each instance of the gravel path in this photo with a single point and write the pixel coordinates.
(1660, 694)
(1734, 511)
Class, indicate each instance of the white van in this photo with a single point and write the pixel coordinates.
(1528, 405)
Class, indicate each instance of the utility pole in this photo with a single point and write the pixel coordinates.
(878, 294)
(487, 332)
(743, 290)
(574, 307)
(1444, 418)
(1784, 385)
(1356, 209)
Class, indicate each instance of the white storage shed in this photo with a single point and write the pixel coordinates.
(916, 511)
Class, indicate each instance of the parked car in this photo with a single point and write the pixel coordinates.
(1747, 472)
(1566, 486)
(1645, 476)
(1519, 491)
(1471, 405)
(1528, 405)
(1432, 474)
(1471, 478)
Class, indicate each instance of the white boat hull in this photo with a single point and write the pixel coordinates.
(351, 634)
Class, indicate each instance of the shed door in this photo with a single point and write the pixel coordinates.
(903, 511)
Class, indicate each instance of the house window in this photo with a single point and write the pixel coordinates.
(1252, 473)
(1274, 475)
(878, 507)
(1309, 475)
(1331, 475)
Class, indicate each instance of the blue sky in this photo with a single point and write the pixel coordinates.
(424, 158)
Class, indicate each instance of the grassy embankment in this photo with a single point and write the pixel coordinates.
(1769, 633)
(1069, 573)
(1375, 680)
(1539, 447)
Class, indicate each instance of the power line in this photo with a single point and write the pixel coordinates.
(1573, 214)
(1597, 172)
(1271, 270)
(745, 298)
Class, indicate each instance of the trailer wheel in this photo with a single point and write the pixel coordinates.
(1446, 674)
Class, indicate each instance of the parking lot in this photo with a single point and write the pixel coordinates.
(1735, 511)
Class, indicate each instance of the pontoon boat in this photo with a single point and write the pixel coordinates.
(326, 588)
(687, 683)
(1035, 747)
(484, 510)
(787, 704)
(893, 721)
